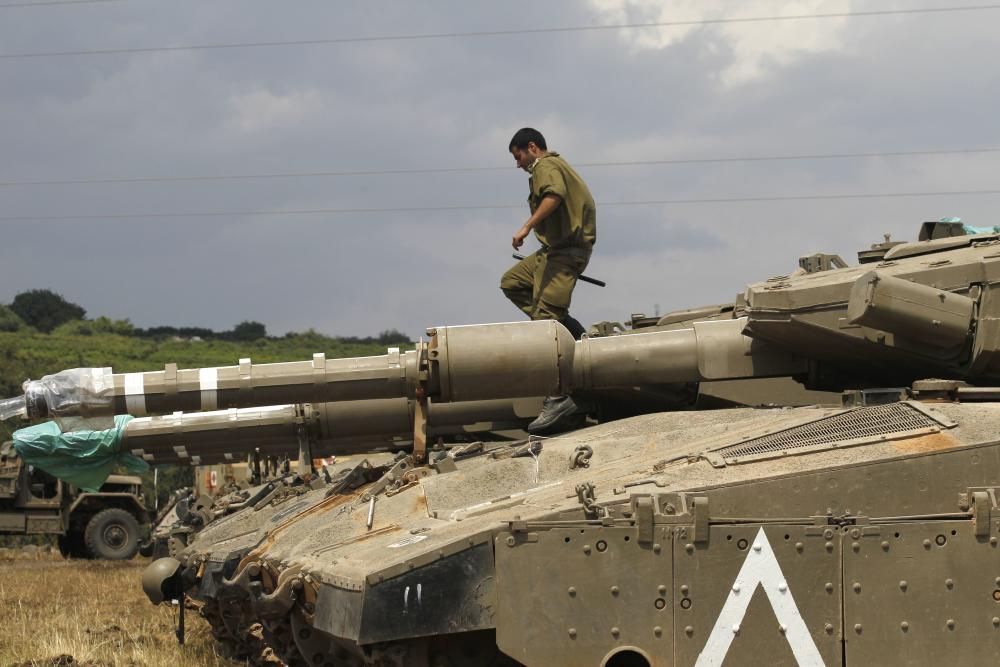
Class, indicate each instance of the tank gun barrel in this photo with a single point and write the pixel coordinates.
(716, 350)
(458, 364)
(336, 428)
(462, 363)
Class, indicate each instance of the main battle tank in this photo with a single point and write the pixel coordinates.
(852, 534)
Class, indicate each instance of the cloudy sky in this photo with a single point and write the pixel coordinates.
(164, 240)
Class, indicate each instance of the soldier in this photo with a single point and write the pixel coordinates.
(564, 219)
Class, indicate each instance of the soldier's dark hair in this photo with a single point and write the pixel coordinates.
(525, 136)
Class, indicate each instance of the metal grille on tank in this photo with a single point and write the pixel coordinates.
(861, 423)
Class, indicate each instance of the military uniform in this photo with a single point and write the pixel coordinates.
(542, 284)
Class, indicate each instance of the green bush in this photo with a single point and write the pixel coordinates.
(10, 321)
(45, 310)
(248, 330)
(74, 328)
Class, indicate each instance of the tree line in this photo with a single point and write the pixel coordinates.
(44, 311)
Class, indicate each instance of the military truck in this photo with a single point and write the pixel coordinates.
(107, 524)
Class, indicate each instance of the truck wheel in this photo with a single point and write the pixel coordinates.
(112, 534)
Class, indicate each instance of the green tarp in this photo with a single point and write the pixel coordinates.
(82, 458)
(969, 229)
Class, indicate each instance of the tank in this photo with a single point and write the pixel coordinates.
(860, 530)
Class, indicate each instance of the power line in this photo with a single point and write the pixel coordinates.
(485, 207)
(46, 3)
(496, 33)
(449, 170)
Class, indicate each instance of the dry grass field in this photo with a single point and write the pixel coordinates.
(91, 614)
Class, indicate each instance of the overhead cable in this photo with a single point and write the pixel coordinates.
(495, 33)
(486, 207)
(450, 170)
(46, 3)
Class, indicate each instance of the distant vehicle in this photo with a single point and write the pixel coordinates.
(107, 524)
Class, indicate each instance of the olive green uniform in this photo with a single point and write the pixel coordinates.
(542, 284)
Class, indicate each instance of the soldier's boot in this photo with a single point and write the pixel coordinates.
(559, 413)
(573, 325)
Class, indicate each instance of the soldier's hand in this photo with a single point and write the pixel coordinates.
(518, 239)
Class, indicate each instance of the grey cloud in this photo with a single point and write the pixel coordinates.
(897, 84)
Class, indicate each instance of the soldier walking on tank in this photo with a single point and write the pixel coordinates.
(564, 219)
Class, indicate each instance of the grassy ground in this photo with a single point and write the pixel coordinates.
(91, 614)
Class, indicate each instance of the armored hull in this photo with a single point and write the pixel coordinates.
(825, 510)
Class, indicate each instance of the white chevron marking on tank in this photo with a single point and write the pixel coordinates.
(760, 568)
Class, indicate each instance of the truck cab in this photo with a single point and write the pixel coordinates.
(105, 524)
